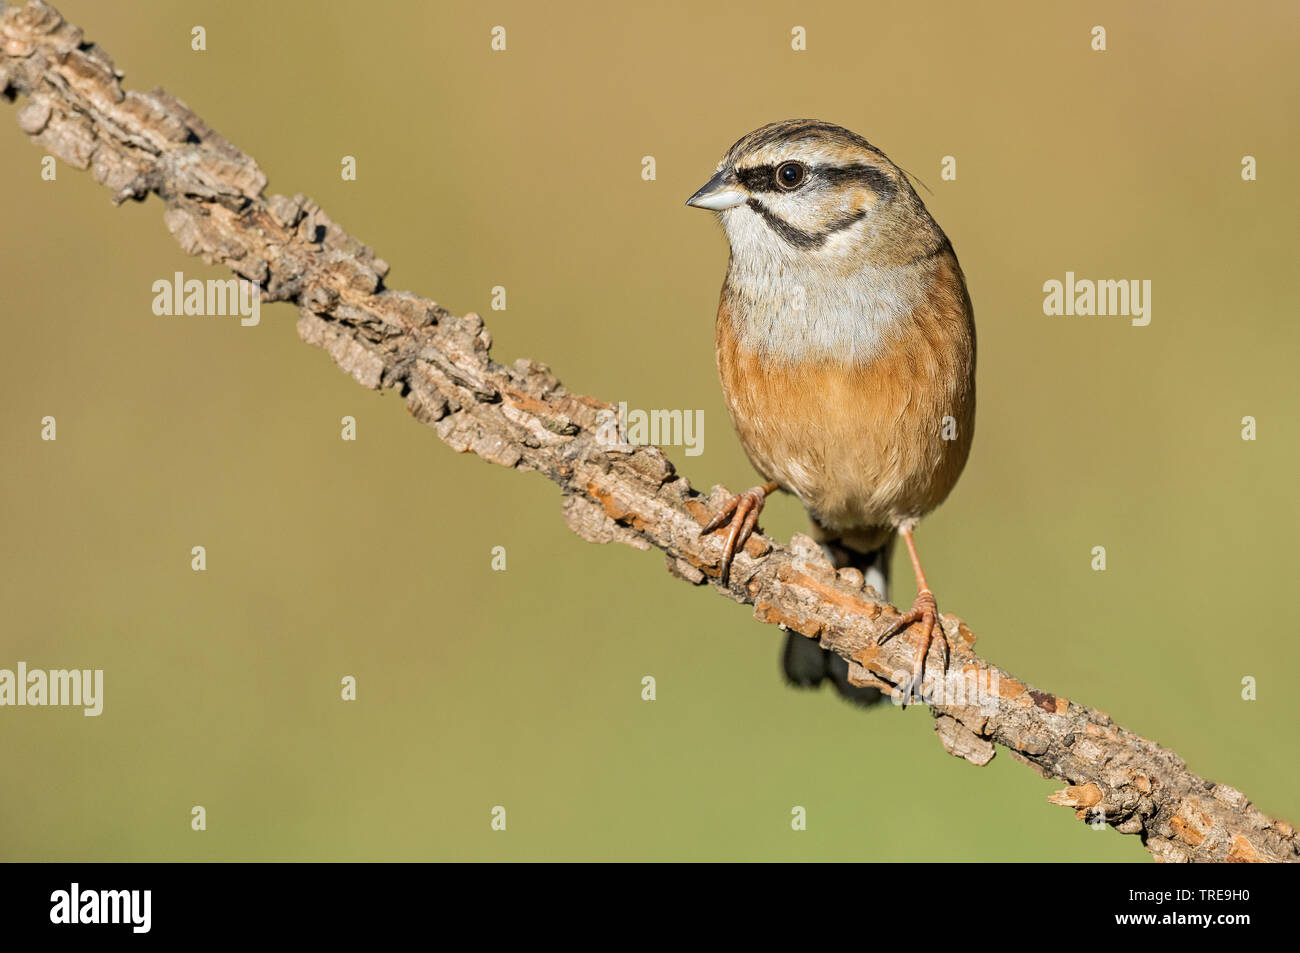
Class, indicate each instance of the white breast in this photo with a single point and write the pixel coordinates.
(793, 305)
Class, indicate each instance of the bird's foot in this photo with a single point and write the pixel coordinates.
(925, 611)
(742, 510)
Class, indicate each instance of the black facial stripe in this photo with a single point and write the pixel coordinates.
(868, 175)
(798, 237)
(762, 178)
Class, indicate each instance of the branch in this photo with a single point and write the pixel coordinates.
(520, 416)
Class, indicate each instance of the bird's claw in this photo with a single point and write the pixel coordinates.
(742, 510)
(925, 611)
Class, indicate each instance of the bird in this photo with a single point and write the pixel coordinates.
(845, 346)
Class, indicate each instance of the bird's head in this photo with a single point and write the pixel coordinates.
(808, 193)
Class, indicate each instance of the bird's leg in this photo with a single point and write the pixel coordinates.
(742, 509)
(925, 611)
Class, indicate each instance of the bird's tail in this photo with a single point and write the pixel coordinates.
(807, 664)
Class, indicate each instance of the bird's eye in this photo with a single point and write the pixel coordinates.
(790, 175)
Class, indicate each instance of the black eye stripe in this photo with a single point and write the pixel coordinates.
(758, 178)
(762, 178)
(868, 175)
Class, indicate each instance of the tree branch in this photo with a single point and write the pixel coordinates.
(520, 416)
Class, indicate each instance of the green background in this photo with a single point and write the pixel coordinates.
(522, 688)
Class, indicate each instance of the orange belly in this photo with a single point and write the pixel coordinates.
(865, 446)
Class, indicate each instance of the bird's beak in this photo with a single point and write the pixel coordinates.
(720, 192)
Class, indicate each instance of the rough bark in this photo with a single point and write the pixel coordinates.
(520, 416)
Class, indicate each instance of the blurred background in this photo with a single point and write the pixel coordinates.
(522, 688)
